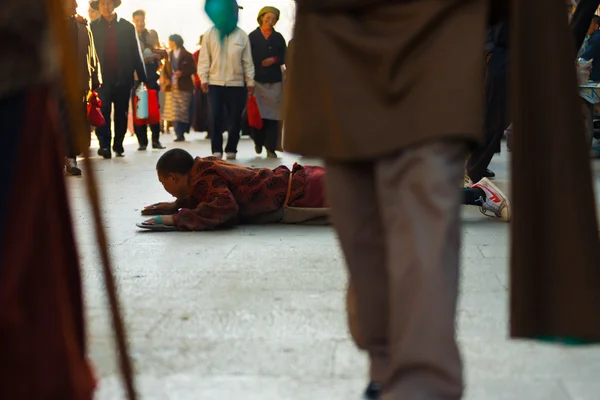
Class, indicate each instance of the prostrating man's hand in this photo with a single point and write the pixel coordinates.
(164, 208)
(166, 220)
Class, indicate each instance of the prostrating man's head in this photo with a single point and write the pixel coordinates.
(173, 169)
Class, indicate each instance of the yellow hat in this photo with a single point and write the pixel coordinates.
(265, 10)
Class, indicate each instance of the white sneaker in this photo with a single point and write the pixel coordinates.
(496, 202)
(218, 155)
(231, 156)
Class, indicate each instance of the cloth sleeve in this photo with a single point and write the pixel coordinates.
(136, 53)
(248, 63)
(204, 58)
(216, 206)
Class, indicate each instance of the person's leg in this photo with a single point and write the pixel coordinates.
(496, 116)
(357, 220)
(258, 136)
(215, 99)
(121, 100)
(271, 129)
(104, 133)
(419, 198)
(236, 102)
(155, 129)
(180, 131)
(141, 131)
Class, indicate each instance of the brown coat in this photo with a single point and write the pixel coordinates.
(187, 66)
(360, 93)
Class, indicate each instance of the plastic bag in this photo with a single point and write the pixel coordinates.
(94, 114)
(584, 69)
(254, 118)
(152, 107)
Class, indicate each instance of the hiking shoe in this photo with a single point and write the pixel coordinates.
(218, 155)
(231, 156)
(496, 203)
(271, 154)
(71, 167)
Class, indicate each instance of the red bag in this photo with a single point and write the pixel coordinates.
(153, 110)
(94, 113)
(254, 119)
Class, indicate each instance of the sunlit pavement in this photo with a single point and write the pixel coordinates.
(257, 312)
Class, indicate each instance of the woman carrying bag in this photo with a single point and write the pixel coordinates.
(179, 86)
(268, 53)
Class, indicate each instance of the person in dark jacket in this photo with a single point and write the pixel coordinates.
(119, 52)
(496, 117)
(153, 56)
(268, 53)
(592, 50)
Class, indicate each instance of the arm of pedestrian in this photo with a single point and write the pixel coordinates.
(204, 58)
(138, 59)
(248, 64)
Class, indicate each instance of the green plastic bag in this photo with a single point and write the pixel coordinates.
(224, 14)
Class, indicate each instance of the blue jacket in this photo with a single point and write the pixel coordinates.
(593, 52)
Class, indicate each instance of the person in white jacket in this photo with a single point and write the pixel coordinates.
(226, 71)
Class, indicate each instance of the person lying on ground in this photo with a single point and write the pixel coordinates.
(212, 193)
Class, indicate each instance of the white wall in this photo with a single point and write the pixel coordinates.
(187, 17)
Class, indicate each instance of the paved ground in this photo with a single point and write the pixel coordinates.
(258, 312)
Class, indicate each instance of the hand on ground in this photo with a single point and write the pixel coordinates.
(160, 208)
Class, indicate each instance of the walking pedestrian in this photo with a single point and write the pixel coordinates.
(119, 52)
(226, 71)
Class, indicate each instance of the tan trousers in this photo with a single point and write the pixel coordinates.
(398, 221)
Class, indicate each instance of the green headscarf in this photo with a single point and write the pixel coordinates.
(265, 10)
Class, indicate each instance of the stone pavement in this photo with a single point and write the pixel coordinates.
(258, 312)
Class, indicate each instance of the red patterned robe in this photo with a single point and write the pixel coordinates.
(223, 193)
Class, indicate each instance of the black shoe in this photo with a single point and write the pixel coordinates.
(158, 146)
(106, 153)
(142, 148)
(71, 167)
(181, 139)
(120, 154)
(489, 174)
(258, 149)
(271, 154)
(373, 391)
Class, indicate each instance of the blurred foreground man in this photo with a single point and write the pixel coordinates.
(364, 83)
(379, 74)
(42, 332)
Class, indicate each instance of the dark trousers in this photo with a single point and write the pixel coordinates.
(268, 136)
(70, 136)
(231, 100)
(496, 114)
(141, 131)
(142, 134)
(119, 97)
